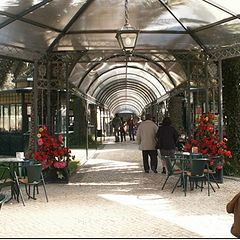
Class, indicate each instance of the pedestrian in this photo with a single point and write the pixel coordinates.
(116, 122)
(123, 129)
(146, 139)
(167, 137)
(131, 128)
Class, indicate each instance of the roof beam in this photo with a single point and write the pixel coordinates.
(23, 13)
(194, 37)
(70, 23)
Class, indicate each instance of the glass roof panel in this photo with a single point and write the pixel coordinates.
(17, 34)
(3, 19)
(108, 41)
(225, 34)
(195, 13)
(87, 41)
(166, 41)
(98, 14)
(231, 5)
(59, 13)
(17, 6)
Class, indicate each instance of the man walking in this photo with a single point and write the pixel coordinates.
(116, 123)
(131, 126)
(146, 139)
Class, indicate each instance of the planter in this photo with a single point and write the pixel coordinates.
(54, 175)
(219, 175)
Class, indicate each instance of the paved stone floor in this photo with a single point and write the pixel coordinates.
(111, 197)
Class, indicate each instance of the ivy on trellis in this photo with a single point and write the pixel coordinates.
(231, 105)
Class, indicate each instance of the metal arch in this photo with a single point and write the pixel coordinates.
(134, 67)
(129, 107)
(133, 80)
(122, 55)
(157, 64)
(148, 94)
(114, 76)
(123, 102)
(93, 93)
(109, 70)
(131, 74)
(126, 107)
(130, 103)
(69, 24)
(135, 98)
(121, 92)
(107, 97)
(113, 87)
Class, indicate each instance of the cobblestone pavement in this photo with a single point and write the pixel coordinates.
(111, 197)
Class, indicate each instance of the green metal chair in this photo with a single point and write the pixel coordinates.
(197, 173)
(3, 198)
(171, 172)
(33, 179)
(8, 180)
(212, 170)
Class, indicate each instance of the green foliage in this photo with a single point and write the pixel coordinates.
(72, 166)
(5, 68)
(231, 105)
(80, 141)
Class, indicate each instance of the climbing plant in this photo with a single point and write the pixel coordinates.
(5, 68)
(231, 106)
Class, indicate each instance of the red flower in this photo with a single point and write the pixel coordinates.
(51, 152)
(207, 139)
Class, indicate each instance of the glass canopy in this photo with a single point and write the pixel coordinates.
(31, 29)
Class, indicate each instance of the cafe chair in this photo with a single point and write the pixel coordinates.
(171, 172)
(33, 179)
(212, 170)
(197, 175)
(3, 198)
(8, 180)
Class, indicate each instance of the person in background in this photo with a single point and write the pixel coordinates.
(167, 137)
(116, 122)
(146, 139)
(131, 128)
(123, 129)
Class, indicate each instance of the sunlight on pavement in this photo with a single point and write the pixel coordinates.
(205, 225)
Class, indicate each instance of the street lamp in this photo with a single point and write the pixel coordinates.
(127, 35)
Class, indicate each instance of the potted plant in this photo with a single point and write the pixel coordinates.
(206, 140)
(53, 155)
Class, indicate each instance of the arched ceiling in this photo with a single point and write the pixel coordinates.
(31, 29)
(141, 77)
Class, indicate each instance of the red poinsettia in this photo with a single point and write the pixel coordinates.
(206, 138)
(51, 151)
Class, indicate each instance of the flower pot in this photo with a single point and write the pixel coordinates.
(219, 175)
(56, 175)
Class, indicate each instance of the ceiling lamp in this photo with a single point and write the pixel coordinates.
(127, 35)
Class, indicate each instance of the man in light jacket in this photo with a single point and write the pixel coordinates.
(146, 139)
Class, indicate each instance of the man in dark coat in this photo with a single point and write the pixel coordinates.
(167, 137)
